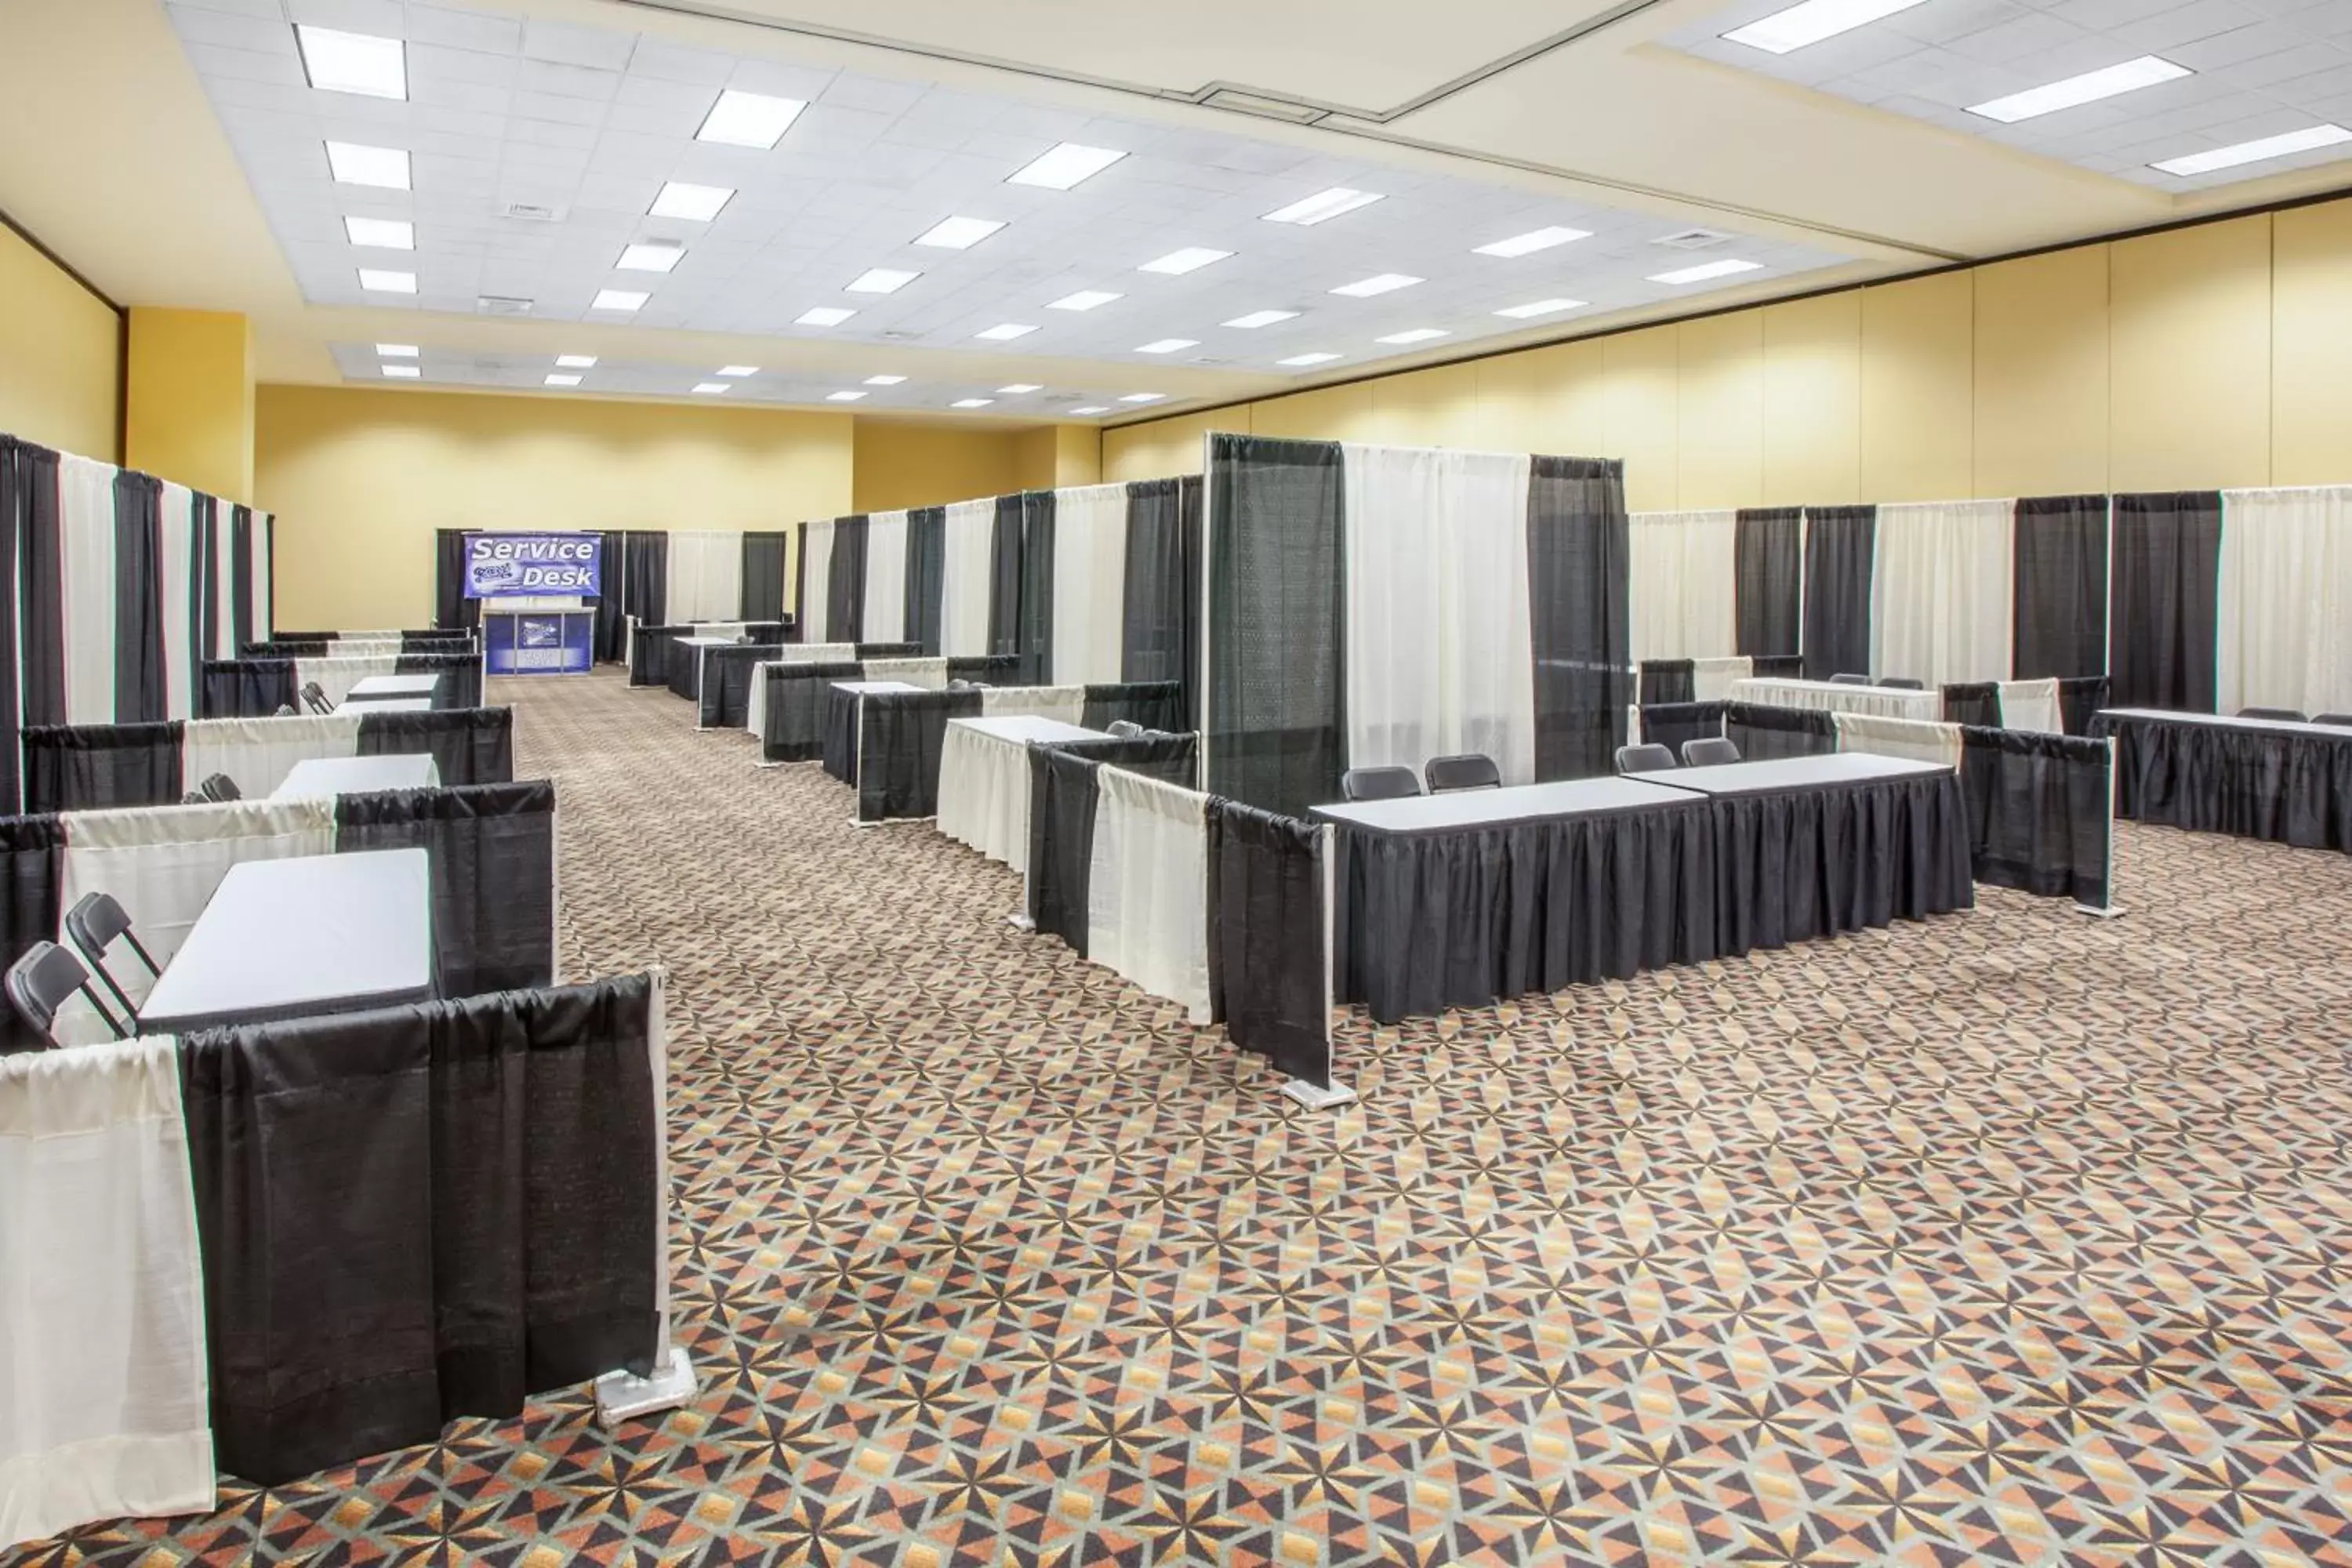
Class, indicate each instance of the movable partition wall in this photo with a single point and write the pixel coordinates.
(124, 585)
(1085, 585)
(888, 743)
(2208, 601)
(659, 577)
(256, 687)
(647, 644)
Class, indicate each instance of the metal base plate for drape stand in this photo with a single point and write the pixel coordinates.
(1021, 922)
(2112, 911)
(1320, 1097)
(624, 1396)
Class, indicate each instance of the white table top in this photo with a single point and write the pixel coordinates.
(385, 705)
(1020, 729)
(393, 686)
(869, 687)
(1477, 807)
(705, 642)
(317, 933)
(2223, 721)
(1792, 773)
(316, 778)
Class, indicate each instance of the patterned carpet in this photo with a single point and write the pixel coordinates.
(2013, 1237)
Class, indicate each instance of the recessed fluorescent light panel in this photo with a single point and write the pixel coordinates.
(971, 402)
(352, 62)
(739, 370)
(1539, 308)
(1005, 332)
(880, 281)
(555, 380)
(1322, 206)
(403, 371)
(1064, 166)
(354, 163)
(1092, 408)
(710, 388)
(650, 258)
(1263, 318)
(619, 299)
(696, 204)
(396, 351)
(1706, 269)
(1143, 398)
(823, 316)
(1177, 263)
(1535, 239)
(379, 281)
(1416, 335)
(2089, 88)
(1018, 387)
(843, 396)
(2230, 157)
(958, 233)
(885, 380)
(1379, 283)
(1167, 345)
(576, 362)
(1084, 299)
(1809, 23)
(1307, 359)
(380, 233)
(749, 119)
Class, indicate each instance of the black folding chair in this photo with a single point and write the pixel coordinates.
(1847, 679)
(1709, 751)
(1903, 683)
(314, 698)
(1126, 728)
(1469, 771)
(1379, 784)
(2276, 715)
(1647, 758)
(2343, 720)
(43, 981)
(220, 789)
(94, 924)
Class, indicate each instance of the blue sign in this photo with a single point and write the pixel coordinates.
(529, 642)
(512, 565)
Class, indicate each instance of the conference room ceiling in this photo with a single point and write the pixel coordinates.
(197, 177)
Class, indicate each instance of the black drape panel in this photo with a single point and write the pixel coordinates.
(1768, 580)
(2287, 787)
(649, 652)
(845, 593)
(1777, 666)
(1793, 865)
(1579, 614)
(288, 647)
(612, 637)
(1765, 734)
(2165, 598)
(900, 736)
(1063, 796)
(86, 767)
(794, 723)
(237, 688)
(2079, 700)
(800, 580)
(203, 616)
(1839, 543)
(1973, 702)
(724, 700)
(2037, 812)
(1669, 725)
(1276, 704)
(1266, 926)
(18, 472)
(684, 667)
(2059, 559)
(1668, 680)
(469, 745)
(1037, 588)
(866, 650)
(1154, 704)
(42, 588)
(1004, 577)
(763, 577)
(492, 848)
(241, 627)
(420, 1213)
(1160, 635)
(31, 887)
(460, 673)
(1170, 759)
(450, 607)
(927, 576)
(140, 693)
(645, 580)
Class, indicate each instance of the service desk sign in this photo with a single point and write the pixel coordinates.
(513, 565)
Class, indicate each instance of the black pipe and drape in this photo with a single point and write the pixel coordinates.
(140, 682)
(1839, 543)
(20, 470)
(468, 745)
(1765, 733)
(207, 617)
(1160, 630)
(1063, 796)
(896, 760)
(451, 607)
(927, 574)
(644, 581)
(2038, 812)
(1274, 710)
(1266, 938)
(32, 897)
(2164, 600)
(41, 590)
(2289, 786)
(1579, 617)
(241, 626)
(793, 727)
(607, 639)
(763, 594)
(1005, 578)
(1668, 680)
(1154, 704)
(2060, 558)
(725, 698)
(1768, 568)
(89, 767)
(492, 850)
(1036, 645)
(845, 589)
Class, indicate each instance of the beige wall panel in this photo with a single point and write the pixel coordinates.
(903, 465)
(1640, 375)
(2191, 357)
(1331, 414)
(60, 357)
(1509, 404)
(2311, 352)
(1812, 401)
(1426, 408)
(1720, 412)
(2041, 352)
(1917, 390)
(1166, 447)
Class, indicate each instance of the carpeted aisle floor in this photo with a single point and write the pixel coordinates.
(2014, 1237)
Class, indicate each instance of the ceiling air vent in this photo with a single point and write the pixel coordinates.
(1693, 239)
(502, 305)
(533, 212)
(901, 337)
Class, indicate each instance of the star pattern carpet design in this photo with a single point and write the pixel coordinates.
(2011, 1237)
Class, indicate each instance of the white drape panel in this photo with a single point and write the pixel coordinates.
(1089, 583)
(223, 584)
(2286, 632)
(1712, 679)
(1439, 655)
(260, 752)
(181, 654)
(1941, 585)
(816, 575)
(336, 674)
(1822, 697)
(163, 862)
(1680, 571)
(816, 653)
(886, 577)
(1148, 887)
(2032, 705)
(963, 600)
(929, 674)
(1911, 738)
(102, 1293)
(706, 576)
(86, 519)
(1067, 703)
(984, 793)
(364, 647)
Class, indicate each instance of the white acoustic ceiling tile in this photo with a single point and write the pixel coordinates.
(2285, 65)
(428, 62)
(534, 131)
(2174, 26)
(228, 30)
(476, 98)
(559, 43)
(2238, 45)
(235, 7)
(891, 98)
(676, 62)
(665, 123)
(628, 153)
(477, 127)
(775, 79)
(220, 61)
(687, 99)
(463, 29)
(571, 82)
(382, 18)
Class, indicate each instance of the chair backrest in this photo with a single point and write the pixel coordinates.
(315, 696)
(1845, 678)
(285, 710)
(194, 798)
(2343, 718)
(1470, 770)
(1903, 683)
(43, 981)
(1647, 758)
(1379, 784)
(2284, 715)
(1126, 728)
(96, 923)
(221, 788)
(1709, 752)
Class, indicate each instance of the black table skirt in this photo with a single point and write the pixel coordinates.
(1797, 864)
(792, 729)
(683, 671)
(841, 734)
(2279, 785)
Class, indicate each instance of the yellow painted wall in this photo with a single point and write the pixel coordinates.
(2208, 356)
(359, 479)
(900, 464)
(1054, 457)
(188, 414)
(61, 356)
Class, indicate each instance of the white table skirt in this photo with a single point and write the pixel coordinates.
(1829, 697)
(984, 782)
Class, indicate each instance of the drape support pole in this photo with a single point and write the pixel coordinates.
(623, 1395)
(2112, 910)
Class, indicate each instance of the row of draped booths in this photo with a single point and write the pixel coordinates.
(294, 1243)
(654, 577)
